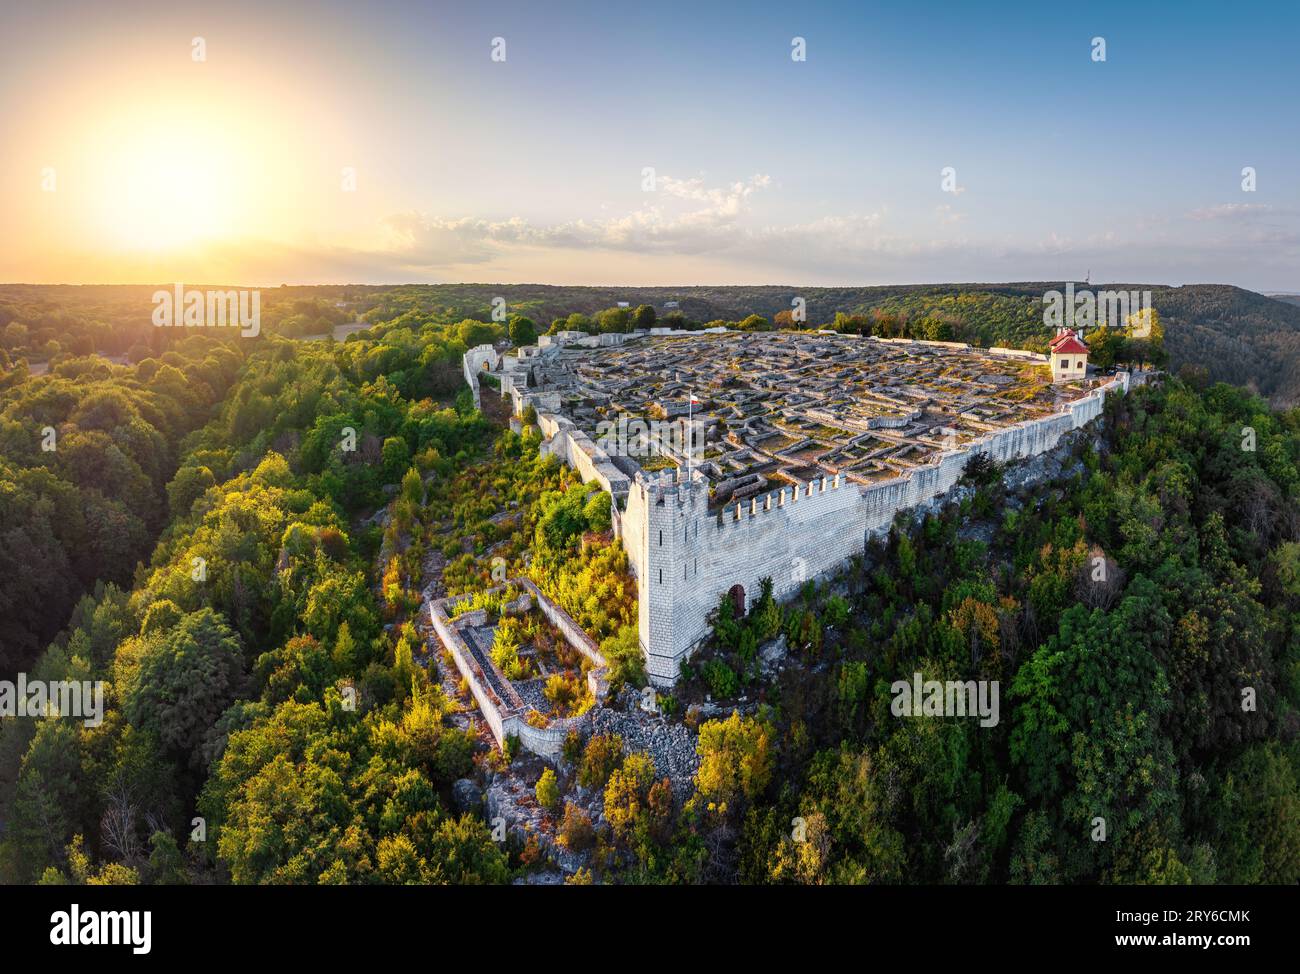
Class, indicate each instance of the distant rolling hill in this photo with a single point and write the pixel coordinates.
(1239, 336)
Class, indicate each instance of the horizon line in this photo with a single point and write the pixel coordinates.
(653, 287)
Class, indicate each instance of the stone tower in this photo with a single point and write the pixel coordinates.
(662, 526)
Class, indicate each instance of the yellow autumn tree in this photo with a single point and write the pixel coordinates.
(735, 759)
(1145, 323)
(393, 590)
(978, 623)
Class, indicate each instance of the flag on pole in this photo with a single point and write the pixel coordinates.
(691, 403)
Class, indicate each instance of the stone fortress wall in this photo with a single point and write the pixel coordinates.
(582, 453)
(685, 558)
(474, 361)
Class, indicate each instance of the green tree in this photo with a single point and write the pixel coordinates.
(474, 333)
(1256, 818)
(189, 484)
(613, 320)
(47, 799)
(636, 806)
(601, 756)
(187, 676)
(643, 316)
(522, 331)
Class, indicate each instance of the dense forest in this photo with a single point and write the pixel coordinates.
(264, 674)
(86, 452)
(229, 657)
(1239, 336)
(1141, 617)
(241, 531)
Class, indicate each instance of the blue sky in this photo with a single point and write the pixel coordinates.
(767, 170)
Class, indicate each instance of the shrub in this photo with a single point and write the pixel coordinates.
(505, 650)
(748, 644)
(576, 832)
(720, 678)
(548, 790)
(597, 512)
(492, 602)
(572, 751)
(638, 807)
(837, 611)
(602, 755)
(566, 695)
(803, 632)
(623, 653)
(767, 619)
(735, 759)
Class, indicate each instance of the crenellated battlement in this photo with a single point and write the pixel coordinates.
(673, 488)
(776, 500)
(664, 481)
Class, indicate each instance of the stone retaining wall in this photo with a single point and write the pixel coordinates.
(580, 451)
(501, 717)
(508, 717)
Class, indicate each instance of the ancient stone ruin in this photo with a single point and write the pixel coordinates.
(733, 456)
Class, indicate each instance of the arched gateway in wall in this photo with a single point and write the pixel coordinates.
(737, 595)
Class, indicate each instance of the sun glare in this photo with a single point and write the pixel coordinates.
(161, 193)
(154, 174)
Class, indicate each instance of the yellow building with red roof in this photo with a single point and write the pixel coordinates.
(1069, 357)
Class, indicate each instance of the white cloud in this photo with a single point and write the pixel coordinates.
(710, 224)
(948, 215)
(1230, 211)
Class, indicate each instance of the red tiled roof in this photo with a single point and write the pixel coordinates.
(1069, 342)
